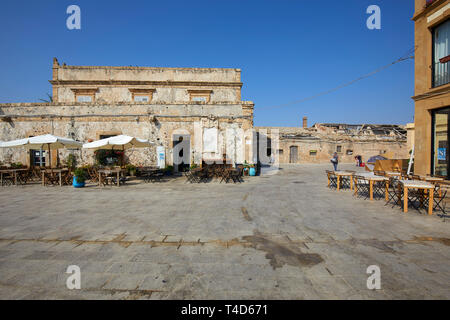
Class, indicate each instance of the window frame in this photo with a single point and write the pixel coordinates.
(433, 55)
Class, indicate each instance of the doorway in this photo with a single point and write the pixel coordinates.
(440, 164)
(293, 154)
(181, 152)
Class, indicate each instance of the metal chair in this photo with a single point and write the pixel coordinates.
(362, 187)
(332, 178)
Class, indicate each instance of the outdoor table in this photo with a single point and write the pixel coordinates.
(431, 179)
(14, 171)
(51, 171)
(393, 173)
(108, 172)
(421, 185)
(373, 178)
(340, 174)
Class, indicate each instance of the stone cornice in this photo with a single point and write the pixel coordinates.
(144, 83)
(427, 9)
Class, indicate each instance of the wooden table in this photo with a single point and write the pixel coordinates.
(431, 179)
(51, 171)
(373, 178)
(393, 173)
(108, 172)
(13, 171)
(340, 174)
(421, 185)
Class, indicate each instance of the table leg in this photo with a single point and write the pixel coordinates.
(328, 178)
(386, 191)
(405, 199)
(351, 182)
(430, 201)
(43, 178)
(118, 178)
(60, 179)
(338, 182)
(356, 189)
(100, 179)
(15, 178)
(371, 189)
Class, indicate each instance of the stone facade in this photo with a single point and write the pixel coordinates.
(158, 104)
(317, 144)
(428, 98)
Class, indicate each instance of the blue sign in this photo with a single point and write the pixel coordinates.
(442, 154)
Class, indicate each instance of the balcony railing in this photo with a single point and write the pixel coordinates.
(441, 74)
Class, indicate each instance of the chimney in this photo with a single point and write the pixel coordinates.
(305, 122)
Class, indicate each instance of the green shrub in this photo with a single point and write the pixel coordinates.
(131, 169)
(71, 161)
(80, 174)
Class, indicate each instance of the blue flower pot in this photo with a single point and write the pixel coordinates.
(252, 171)
(77, 184)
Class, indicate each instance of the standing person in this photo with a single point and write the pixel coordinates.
(335, 161)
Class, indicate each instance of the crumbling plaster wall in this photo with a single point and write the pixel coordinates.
(86, 122)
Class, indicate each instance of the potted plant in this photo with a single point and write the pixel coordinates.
(79, 178)
(252, 170)
(131, 170)
(168, 170)
(71, 161)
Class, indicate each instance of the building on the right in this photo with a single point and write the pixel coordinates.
(432, 87)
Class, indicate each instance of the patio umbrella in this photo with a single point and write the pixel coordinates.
(46, 141)
(120, 142)
(375, 158)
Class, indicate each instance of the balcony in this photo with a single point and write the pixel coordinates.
(441, 74)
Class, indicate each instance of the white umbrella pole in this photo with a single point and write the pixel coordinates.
(49, 156)
(40, 156)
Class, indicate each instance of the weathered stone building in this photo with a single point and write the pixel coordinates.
(317, 144)
(432, 87)
(164, 105)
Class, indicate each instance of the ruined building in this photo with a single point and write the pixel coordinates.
(317, 144)
(163, 105)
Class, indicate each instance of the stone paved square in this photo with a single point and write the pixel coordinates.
(281, 236)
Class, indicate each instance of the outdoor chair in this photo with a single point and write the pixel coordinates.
(395, 192)
(190, 176)
(155, 176)
(7, 179)
(332, 178)
(439, 199)
(236, 175)
(362, 187)
(379, 189)
(226, 175)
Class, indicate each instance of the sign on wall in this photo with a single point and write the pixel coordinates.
(161, 157)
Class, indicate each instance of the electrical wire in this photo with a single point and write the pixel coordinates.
(408, 55)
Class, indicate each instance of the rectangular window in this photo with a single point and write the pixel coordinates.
(84, 98)
(200, 95)
(440, 158)
(349, 152)
(339, 149)
(198, 98)
(141, 99)
(312, 152)
(280, 151)
(441, 54)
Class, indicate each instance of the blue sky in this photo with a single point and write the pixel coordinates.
(287, 50)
